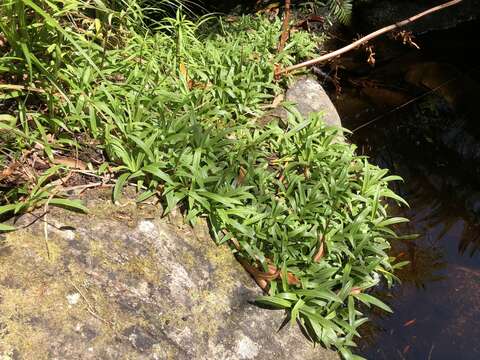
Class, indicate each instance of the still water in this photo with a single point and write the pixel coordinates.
(437, 306)
(433, 143)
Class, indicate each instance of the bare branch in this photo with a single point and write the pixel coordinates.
(369, 37)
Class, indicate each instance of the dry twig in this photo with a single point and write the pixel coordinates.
(90, 308)
(45, 227)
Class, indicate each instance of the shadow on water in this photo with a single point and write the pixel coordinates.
(433, 142)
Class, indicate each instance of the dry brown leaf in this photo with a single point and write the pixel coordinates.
(241, 175)
(276, 102)
(69, 162)
(355, 291)
(318, 256)
(277, 71)
(292, 279)
(371, 55)
(8, 171)
(410, 322)
(184, 72)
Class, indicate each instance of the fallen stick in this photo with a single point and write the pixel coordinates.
(368, 37)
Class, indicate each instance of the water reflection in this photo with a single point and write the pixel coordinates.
(437, 306)
(434, 144)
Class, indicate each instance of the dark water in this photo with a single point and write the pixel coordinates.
(433, 144)
(437, 306)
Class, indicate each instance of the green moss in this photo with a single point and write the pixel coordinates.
(34, 307)
(126, 213)
(225, 271)
(127, 210)
(33, 289)
(144, 267)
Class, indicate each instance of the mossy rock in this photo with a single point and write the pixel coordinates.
(123, 283)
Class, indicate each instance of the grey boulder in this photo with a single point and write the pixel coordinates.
(124, 283)
(308, 96)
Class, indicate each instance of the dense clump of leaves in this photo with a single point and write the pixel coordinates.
(172, 108)
(282, 196)
(127, 88)
(317, 215)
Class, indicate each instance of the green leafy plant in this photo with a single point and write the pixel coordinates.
(341, 9)
(40, 193)
(173, 108)
(310, 217)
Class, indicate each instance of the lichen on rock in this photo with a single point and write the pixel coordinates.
(122, 282)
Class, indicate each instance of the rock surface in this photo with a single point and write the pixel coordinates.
(308, 96)
(123, 283)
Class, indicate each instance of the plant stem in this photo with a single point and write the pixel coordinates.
(285, 29)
